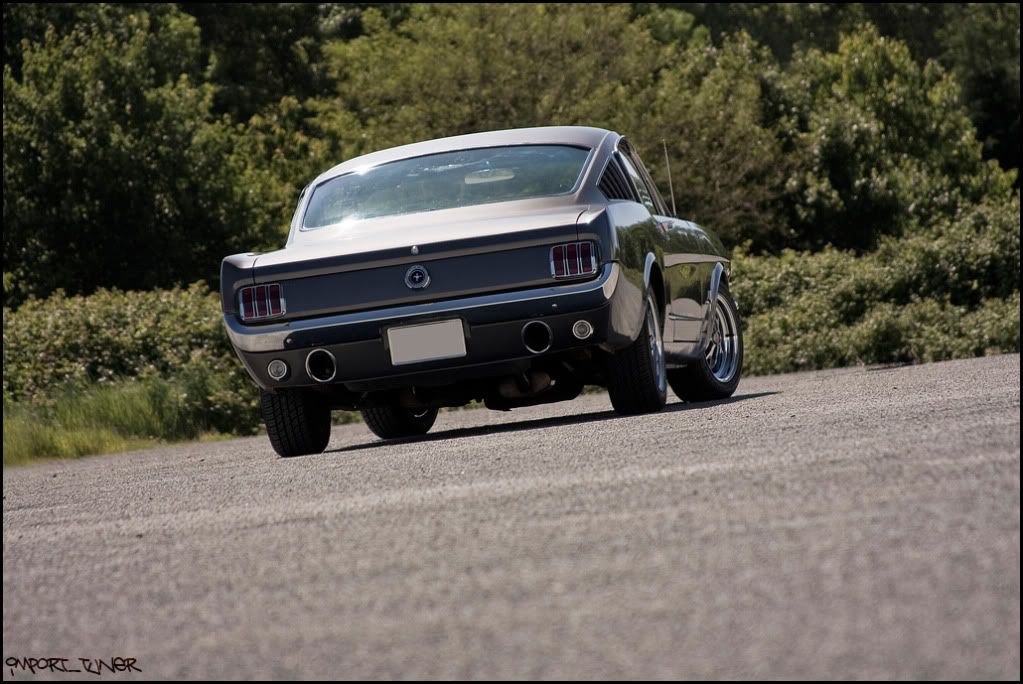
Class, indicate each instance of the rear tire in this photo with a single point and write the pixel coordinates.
(394, 422)
(297, 421)
(716, 374)
(636, 378)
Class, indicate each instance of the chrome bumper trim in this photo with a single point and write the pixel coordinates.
(264, 338)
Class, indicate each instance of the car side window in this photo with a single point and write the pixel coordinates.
(644, 193)
(651, 187)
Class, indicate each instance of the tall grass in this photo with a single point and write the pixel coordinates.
(104, 419)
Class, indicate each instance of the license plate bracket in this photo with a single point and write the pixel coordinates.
(423, 342)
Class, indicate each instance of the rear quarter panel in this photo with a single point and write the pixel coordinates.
(682, 252)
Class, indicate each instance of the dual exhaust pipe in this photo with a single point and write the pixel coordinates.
(537, 337)
(321, 366)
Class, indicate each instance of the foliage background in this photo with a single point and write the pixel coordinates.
(862, 159)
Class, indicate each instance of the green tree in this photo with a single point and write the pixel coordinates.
(783, 28)
(878, 144)
(727, 165)
(115, 171)
(463, 68)
(981, 45)
(27, 23)
(279, 151)
(451, 70)
(978, 42)
(257, 53)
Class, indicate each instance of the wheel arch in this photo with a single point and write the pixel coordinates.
(718, 275)
(653, 278)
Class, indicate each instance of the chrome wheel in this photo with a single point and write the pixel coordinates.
(723, 348)
(653, 329)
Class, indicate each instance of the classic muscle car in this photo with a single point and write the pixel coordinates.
(512, 268)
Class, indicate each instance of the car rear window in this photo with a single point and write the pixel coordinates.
(446, 181)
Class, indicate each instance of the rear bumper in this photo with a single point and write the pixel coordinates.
(493, 323)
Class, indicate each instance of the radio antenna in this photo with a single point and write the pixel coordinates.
(671, 186)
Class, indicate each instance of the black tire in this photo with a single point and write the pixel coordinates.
(393, 422)
(704, 380)
(297, 421)
(636, 378)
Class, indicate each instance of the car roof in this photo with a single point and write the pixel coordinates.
(582, 136)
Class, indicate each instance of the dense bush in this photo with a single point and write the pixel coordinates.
(967, 258)
(68, 344)
(806, 334)
(951, 291)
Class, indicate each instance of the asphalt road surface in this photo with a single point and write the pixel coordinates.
(857, 523)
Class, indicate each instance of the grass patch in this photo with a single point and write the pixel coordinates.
(105, 419)
(26, 440)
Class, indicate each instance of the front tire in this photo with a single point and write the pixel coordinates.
(297, 421)
(394, 422)
(716, 374)
(636, 378)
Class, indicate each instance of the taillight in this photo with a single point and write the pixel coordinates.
(261, 301)
(573, 260)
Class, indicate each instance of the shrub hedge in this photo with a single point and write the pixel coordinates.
(946, 292)
(67, 345)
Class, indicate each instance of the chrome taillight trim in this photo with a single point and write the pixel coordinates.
(578, 262)
(267, 300)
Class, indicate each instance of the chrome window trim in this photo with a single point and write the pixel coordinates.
(579, 180)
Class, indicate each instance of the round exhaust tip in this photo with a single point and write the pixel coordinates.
(277, 369)
(321, 365)
(537, 337)
(582, 329)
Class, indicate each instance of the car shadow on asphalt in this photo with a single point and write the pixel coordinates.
(539, 423)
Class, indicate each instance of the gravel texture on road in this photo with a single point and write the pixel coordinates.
(858, 523)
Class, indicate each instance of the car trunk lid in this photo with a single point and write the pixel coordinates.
(365, 266)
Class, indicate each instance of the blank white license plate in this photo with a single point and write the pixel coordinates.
(426, 342)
